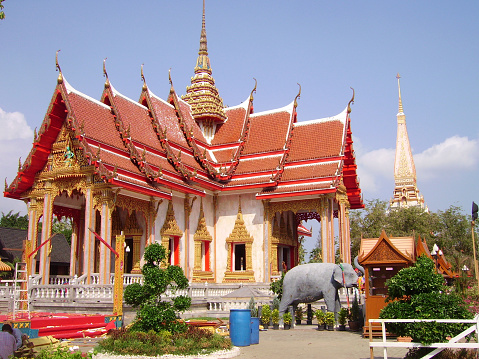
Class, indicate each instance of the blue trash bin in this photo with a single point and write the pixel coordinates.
(240, 327)
(254, 330)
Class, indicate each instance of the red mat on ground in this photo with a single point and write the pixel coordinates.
(66, 325)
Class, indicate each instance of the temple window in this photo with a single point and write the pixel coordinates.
(239, 256)
(205, 256)
(174, 251)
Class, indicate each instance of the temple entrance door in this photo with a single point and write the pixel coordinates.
(284, 258)
(128, 255)
(239, 254)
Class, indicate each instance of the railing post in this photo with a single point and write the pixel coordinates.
(371, 349)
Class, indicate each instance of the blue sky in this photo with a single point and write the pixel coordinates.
(326, 46)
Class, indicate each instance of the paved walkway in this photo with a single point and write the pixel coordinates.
(306, 342)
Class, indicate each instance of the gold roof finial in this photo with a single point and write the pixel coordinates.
(107, 81)
(254, 90)
(400, 100)
(350, 101)
(297, 97)
(60, 76)
(143, 79)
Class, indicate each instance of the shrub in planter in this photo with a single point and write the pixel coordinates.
(253, 308)
(354, 315)
(154, 313)
(275, 318)
(329, 320)
(320, 317)
(265, 316)
(287, 320)
(342, 316)
(298, 315)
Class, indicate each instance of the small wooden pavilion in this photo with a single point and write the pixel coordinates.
(382, 258)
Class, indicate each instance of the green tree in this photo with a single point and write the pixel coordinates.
(153, 312)
(63, 226)
(418, 292)
(449, 229)
(2, 14)
(301, 251)
(14, 220)
(367, 223)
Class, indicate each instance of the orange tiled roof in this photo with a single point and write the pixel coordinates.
(267, 150)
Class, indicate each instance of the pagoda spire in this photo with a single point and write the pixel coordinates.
(406, 194)
(203, 97)
(399, 90)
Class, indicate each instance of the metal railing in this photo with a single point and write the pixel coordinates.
(452, 343)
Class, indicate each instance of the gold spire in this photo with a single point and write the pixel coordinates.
(400, 100)
(202, 95)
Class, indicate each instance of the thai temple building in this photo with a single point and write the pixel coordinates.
(406, 194)
(224, 189)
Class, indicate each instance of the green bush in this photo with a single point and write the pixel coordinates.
(154, 313)
(192, 342)
(418, 293)
(342, 316)
(275, 316)
(287, 318)
(298, 313)
(329, 318)
(265, 314)
(320, 316)
(60, 353)
(277, 287)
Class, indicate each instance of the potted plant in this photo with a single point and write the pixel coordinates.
(298, 315)
(275, 318)
(253, 308)
(342, 316)
(265, 316)
(287, 320)
(329, 320)
(354, 316)
(319, 314)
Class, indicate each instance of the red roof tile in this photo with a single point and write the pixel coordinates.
(267, 132)
(292, 173)
(258, 164)
(316, 140)
(230, 131)
(97, 121)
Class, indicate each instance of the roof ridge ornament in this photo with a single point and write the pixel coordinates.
(143, 79)
(105, 74)
(57, 65)
(350, 101)
(254, 89)
(297, 97)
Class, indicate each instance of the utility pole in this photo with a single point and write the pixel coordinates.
(473, 227)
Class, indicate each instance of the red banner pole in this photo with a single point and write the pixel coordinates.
(40, 246)
(104, 242)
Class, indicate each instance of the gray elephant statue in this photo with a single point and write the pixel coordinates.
(308, 283)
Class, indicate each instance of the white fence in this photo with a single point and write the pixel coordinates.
(453, 342)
